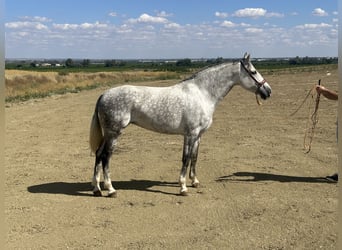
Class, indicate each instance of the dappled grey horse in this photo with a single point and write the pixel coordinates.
(185, 108)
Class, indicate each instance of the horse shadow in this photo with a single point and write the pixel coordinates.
(85, 188)
(256, 177)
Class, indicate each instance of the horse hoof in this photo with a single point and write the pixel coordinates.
(97, 193)
(184, 193)
(195, 184)
(112, 195)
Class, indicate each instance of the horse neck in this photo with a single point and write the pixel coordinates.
(219, 80)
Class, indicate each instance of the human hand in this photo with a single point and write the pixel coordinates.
(320, 89)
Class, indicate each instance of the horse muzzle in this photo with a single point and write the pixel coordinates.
(264, 91)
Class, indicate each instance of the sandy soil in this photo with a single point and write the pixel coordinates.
(259, 190)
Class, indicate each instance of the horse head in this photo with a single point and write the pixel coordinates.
(252, 80)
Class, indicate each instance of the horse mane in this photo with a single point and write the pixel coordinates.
(194, 75)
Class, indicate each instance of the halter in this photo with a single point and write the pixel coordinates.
(250, 73)
(257, 83)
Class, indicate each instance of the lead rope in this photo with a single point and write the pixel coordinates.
(313, 117)
(257, 99)
(301, 105)
(309, 133)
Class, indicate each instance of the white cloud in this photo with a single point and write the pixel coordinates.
(23, 33)
(221, 14)
(146, 18)
(228, 24)
(319, 12)
(84, 26)
(124, 29)
(28, 25)
(256, 13)
(250, 12)
(245, 25)
(65, 26)
(172, 26)
(112, 14)
(96, 25)
(36, 19)
(254, 30)
(274, 14)
(164, 14)
(314, 26)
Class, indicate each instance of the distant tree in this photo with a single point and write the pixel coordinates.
(120, 63)
(69, 62)
(219, 60)
(183, 63)
(85, 62)
(294, 61)
(110, 63)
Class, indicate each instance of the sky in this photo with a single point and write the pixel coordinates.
(160, 29)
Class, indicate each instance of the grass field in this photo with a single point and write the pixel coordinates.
(23, 85)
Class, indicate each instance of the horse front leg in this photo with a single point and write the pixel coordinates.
(190, 149)
(185, 162)
(192, 174)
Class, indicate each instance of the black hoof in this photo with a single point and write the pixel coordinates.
(97, 193)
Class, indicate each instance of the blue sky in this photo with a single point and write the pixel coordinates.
(170, 29)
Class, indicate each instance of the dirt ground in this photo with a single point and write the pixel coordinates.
(259, 190)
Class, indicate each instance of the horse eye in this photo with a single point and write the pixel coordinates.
(253, 72)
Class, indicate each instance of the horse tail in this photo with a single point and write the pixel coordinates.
(95, 135)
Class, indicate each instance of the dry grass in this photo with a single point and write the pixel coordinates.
(23, 85)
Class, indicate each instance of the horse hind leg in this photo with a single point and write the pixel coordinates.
(97, 168)
(107, 153)
(103, 156)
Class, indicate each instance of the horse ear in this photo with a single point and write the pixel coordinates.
(246, 57)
